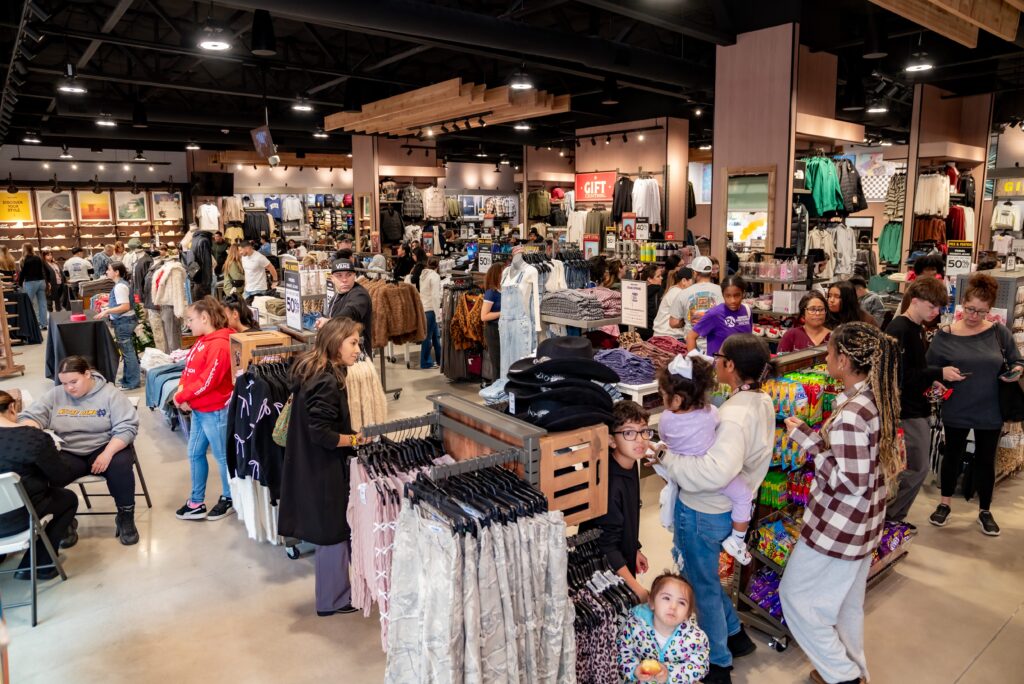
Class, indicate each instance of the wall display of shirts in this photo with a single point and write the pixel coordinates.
(647, 199)
(94, 206)
(54, 207)
(1007, 216)
(932, 196)
(16, 207)
(167, 206)
(208, 215)
(834, 186)
(130, 207)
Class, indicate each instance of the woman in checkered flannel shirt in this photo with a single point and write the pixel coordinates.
(855, 456)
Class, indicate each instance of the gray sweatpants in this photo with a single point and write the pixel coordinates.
(333, 587)
(918, 435)
(823, 602)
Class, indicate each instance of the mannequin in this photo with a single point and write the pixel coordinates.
(520, 311)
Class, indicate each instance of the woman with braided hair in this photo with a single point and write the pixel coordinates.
(855, 458)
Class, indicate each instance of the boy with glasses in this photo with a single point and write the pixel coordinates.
(620, 526)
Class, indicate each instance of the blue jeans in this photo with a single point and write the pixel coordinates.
(124, 328)
(36, 291)
(431, 341)
(209, 430)
(699, 537)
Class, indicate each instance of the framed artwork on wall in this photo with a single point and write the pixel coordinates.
(93, 206)
(54, 207)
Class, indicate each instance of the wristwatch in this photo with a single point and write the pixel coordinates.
(355, 441)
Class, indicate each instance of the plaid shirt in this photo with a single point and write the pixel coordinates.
(844, 514)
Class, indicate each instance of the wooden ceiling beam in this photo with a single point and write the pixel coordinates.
(995, 16)
(934, 18)
(464, 98)
(1016, 4)
(483, 100)
(451, 88)
(338, 161)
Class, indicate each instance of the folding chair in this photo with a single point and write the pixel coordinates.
(92, 479)
(13, 497)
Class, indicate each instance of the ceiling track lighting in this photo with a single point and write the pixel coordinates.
(55, 188)
(64, 153)
(593, 140)
(139, 156)
(30, 32)
(263, 41)
(20, 67)
(38, 11)
(625, 138)
(28, 53)
(444, 128)
(11, 187)
(480, 122)
(96, 187)
(608, 140)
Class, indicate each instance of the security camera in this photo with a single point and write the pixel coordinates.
(273, 160)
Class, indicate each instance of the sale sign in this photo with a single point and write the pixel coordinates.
(595, 187)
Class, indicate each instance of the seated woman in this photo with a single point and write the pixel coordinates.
(98, 425)
(239, 315)
(32, 455)
(812, 331)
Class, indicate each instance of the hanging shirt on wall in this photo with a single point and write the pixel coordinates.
(647, 200)
(291, 209)
(273, 206)
(208, 216)
(1005, 216)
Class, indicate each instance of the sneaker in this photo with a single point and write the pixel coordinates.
(718, 675)
(222, 509)
(344, 610)
(71, 538)
(740, 644)
(988, 523)
(187, 512)
(735, 547)
(941, 515)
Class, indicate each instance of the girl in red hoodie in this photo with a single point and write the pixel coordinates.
(205, 390)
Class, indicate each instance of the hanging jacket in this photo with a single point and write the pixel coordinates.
(967, 188)
(202, 252)
(691, 201)
(391, 228)
(686, 653)
(850, 186)
(622, 198)
(412, 202)
(206, 382)
(169, 287)
(823, 182)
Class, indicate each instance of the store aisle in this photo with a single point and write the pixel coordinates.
(199, 599)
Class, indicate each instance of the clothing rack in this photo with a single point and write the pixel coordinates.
(583, 538)
(284, 349)
(402, 424)
(478, 463)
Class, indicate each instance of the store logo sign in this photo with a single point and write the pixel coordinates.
(595, 187)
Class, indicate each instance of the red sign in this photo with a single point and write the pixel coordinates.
(595, 187)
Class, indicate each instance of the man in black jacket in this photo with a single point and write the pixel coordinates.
(351, 300)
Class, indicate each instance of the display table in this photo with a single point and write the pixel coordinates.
(639, 392)
(583, 325)
(91, 339)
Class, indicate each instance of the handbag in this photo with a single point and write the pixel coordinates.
(284, 419)
(1011, 396)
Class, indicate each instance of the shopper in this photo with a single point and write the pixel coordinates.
(931, 265)
(102, 259)
(688, 429)
(664, 633)
(870, 302)
(265, 247)
(98, 425)
(77, 269)
(811, 331)
(121, 311)
(344, 241)
(672, 264)
(239, 315)
(205, 390)
(403, 261)
(31, 454)
(703, 520)
(670, 319)
(614, 271)
(926, 296)
(32, 279)
(8, 265)
(233, 272)
(490, 313)
(351, 300)
(255, 266)
(985, 354)
(57, 288)
(699, 297)
(419, 258)
(730, 317)
(653, 275)
(855, 454)
(219, 250)
(619, 527)
(430, 297)
(843, 306)
(315, 479)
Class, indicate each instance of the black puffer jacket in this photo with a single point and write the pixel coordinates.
(850, 186)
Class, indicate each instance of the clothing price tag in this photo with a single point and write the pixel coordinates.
(484, 261)
(634, 303)
(292, 295)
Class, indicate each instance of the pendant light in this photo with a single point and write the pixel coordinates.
(877, 107)
(610, 94)
(521, 80)
(264, 44)
(64, 153)
(213, 38)
(522, 126)
(192, 145)
(874, 37)
(31, 138)
(70, 83)
(139, 118)
(106, 120)
(919, 60)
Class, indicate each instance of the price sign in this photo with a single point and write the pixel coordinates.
(634, 303)
(959, 257)
(292, 295)
(484, 261)
(643, 229)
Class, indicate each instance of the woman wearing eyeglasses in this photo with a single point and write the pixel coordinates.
(812, 331)
(985, 354)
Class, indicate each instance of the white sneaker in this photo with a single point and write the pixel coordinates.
(735, 547)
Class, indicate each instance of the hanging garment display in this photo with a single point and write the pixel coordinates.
(391, 228)
(397, 312)
(577, 224)
(272, 203)
(256, 225)
(966, 186)
(598, 219)
(412, 202)
(930, 228)
(1005, 216)
(520, 313)
(291, 209)
(822, 180)
(850, 186)
(457, 362)
(389, 190)
(691, 201)
(801, 224)
(538, 204)
(433, 203)
(208, 216)
(969, 223)
(955, 224)
(819, 238)
(845, 241)
(896, 197)
(233, 212)
(622, 198)
(932, 196)
(647, 200)
(453, 208)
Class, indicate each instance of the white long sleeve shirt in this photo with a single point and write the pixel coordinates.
(647, 200)
(430, 291)
(291, 209)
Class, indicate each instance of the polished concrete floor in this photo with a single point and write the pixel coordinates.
(199, 601)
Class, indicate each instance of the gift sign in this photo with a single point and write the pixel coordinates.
(595, 187)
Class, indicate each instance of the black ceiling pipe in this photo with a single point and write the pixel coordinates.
(419, 20)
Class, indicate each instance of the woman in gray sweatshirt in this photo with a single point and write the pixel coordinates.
(98, 425)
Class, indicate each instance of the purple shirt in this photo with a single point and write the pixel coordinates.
(719, 322)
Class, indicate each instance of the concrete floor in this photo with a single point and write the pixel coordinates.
(200, 601)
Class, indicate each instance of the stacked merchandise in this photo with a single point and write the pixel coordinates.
(631, 368)
(397, 312)
(577, 305)
(931, 207)
(610, 300)
(602, 602)
(479, 589)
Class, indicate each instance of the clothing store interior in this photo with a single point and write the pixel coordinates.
(515, 242)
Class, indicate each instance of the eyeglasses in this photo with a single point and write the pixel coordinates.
(817, 309)
(719, 355)
(976, 312)
(630, 435)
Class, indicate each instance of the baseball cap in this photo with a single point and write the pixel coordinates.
(342, 265)
(702, 264)
(134, 243)
(345, 236)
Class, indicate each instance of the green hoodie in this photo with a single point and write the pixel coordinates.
(87, 424)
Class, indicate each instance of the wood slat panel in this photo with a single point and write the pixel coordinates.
(483, 101)
(994, 16)
(933, 17)
(362, 121)
(1016, 4)
(444, 89)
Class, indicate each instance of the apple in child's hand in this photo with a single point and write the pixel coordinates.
(650, 667)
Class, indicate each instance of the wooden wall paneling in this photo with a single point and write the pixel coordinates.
(677, 157)
(933, 17)
(445, 89)
(913, 163)
(994, 16)
(468, 101)
(817, 77)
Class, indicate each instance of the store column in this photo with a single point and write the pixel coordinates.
(365, 186)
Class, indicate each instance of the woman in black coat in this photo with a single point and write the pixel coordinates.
(315, 481)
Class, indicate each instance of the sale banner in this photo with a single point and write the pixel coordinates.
(595, 187)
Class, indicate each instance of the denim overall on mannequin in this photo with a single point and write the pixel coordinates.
(516, 327)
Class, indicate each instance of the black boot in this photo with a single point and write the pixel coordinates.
(71, 538)
(124, 525)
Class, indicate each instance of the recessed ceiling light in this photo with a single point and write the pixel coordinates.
(214, 38)
(46, 165)
(150, 168)
(522, 126)
(74, 167)
(125, 167)
(106, 120)
(31, 138)
(101, 167)
(919, 62)
(640, 137)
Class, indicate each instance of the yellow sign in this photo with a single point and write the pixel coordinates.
(1010, 186)
(15, 206)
